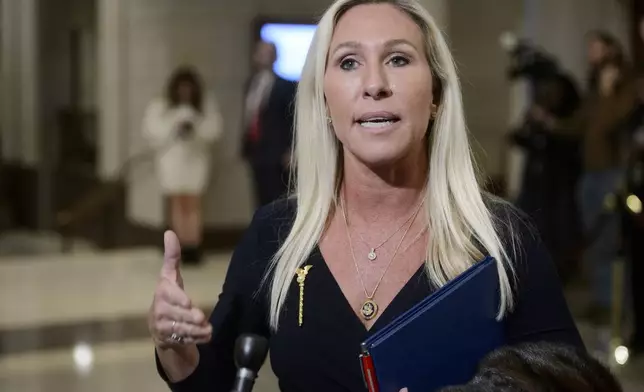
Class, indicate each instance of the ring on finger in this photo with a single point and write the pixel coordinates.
(176, 338)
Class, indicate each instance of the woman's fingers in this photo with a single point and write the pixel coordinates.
(168, 332)
(172, 294)
(173, 319)
(186, 330)
(166, 311)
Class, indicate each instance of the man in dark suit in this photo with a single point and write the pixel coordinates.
(268, 125)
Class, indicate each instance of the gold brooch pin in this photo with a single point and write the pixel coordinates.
(301, 277)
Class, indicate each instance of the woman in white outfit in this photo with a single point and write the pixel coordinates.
(182, 127)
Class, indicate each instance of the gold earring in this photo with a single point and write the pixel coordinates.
(434, 111)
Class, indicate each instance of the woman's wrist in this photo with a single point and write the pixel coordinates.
(178, 362)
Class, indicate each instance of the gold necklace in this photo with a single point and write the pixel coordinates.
(372, 255)
(369, 308)
(418, 236)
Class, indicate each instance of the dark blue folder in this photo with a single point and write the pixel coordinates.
(440, 341)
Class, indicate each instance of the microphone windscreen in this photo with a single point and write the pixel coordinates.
(250, 351)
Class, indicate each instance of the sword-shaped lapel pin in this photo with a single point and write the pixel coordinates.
(301, 277)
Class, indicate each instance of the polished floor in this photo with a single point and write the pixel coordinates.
(76, 322)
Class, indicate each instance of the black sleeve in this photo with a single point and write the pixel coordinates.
(541, 312)
(239, 310)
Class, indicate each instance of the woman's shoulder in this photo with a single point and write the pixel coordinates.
(527, 255)
(271, 224)
(540, 311)
(275, 215)
(258, 245)
(512, 224)
(519, 235)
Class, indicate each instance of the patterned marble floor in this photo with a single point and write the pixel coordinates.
(77, 322)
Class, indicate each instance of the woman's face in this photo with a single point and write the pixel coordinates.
(378, 84)
(185, 92)
(597, 51)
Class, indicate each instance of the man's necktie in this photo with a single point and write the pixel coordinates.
(254, 128)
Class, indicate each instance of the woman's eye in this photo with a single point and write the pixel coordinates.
(399, 61)
(348, 64)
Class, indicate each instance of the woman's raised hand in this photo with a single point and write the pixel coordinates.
(173, 321)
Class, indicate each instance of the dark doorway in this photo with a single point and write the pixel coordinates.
(68, 72)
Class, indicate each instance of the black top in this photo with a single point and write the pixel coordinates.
(322, 355)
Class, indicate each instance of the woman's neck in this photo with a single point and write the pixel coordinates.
(383, 194)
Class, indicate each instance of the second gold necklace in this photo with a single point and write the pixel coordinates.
(369, 308)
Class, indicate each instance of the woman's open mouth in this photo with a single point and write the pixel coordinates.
(378, 120)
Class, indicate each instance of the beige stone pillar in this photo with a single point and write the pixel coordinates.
(19, 108)
(112, 97)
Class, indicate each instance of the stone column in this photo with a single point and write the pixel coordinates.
(519, 93)
(10, 83)
(19, 81)
(29, 82)
(112, 72)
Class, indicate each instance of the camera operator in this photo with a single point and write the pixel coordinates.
(549, 191)
(549, 135)
(607, 108)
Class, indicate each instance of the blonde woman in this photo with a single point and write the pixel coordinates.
(386, 209)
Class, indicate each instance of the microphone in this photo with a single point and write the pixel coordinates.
(250, 354)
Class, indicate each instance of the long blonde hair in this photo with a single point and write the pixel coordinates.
(457, 214)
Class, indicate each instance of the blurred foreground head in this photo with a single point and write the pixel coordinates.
(540, 367)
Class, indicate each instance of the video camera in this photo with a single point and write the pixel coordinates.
(527, 61)
(552, 88)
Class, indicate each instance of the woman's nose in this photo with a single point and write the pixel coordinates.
(376, 84)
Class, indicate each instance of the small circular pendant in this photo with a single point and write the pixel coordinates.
(372, 255)
(369, 309)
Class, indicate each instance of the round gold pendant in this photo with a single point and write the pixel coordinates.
(369, 309)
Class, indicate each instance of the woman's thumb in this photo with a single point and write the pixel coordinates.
(171, 256)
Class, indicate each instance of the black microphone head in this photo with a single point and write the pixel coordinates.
(250, 351)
